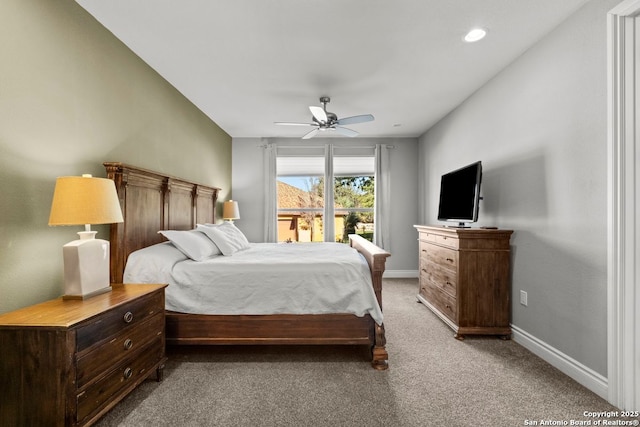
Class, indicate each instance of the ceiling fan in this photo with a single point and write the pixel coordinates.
(324, 120)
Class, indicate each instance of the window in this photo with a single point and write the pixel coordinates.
(354, 189)
(301, 209)
(300, 197)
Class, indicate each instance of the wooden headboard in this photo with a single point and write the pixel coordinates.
(150, 202)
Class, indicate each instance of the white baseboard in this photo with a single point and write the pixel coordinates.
(400, 274)
(576, 370)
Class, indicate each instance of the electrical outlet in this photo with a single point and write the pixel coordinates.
(523, 298)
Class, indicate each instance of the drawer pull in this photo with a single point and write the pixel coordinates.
(128, 344)
(128, 317)
(127, 373)
(450, 259)
(448, 283)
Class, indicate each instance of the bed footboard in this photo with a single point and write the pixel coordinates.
(376, 258)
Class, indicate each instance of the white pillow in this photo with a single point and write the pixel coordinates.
(152, 264)
(226, 236)
(192, 243)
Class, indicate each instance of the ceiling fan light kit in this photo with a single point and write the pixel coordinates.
(323, 121)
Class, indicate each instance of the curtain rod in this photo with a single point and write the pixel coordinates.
(322, 146)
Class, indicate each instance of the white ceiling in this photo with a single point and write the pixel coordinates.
(250, 63)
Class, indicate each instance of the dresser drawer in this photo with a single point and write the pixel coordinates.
(424, 247)
(443, 257)
(125, 375)
(422, 259)
(445, 303)
(440, 278)
(96, 361)
(438, 239)
(114, 320)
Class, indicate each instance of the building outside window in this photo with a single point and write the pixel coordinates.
(301, 195)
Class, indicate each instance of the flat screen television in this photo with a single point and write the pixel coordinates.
(460, 195)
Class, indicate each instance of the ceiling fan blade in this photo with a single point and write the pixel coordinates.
(319, 114)
(346, 131)
(355, 119)
(295, 124)
(311, 134)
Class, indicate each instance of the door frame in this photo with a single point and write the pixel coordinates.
(623, 242)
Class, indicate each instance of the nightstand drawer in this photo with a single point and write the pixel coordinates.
(122, 345)
(114, 320)
(126, 375)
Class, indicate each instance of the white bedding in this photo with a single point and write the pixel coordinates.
(266, 278)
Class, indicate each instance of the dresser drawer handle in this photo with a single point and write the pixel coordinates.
(450, 259)
(128, 344)
(128, 317)
(127, 373)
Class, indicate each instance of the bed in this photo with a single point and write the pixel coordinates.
(153, 201)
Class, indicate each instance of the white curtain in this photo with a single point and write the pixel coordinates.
(270, 195)
(329, 211)
(381, 216)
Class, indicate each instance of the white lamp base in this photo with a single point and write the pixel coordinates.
(86, 267)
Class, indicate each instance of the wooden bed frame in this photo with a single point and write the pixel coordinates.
(152, 201)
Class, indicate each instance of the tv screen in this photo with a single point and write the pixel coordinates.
(460, 194)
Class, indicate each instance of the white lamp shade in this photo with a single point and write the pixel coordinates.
(84, 200)
(230, 210)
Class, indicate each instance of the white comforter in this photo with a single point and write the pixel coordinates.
(266, 278)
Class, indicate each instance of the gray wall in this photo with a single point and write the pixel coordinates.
(539, 128)
(248, 178)
(71, 97)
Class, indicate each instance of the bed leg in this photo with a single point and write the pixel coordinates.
(380, 356)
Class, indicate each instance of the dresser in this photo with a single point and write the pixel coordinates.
(465, 278)
(67, 362)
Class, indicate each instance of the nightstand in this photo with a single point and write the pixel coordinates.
(67, 362)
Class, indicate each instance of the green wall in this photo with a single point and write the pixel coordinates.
(71, 97)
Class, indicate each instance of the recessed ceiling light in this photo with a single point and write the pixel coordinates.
(475, 35)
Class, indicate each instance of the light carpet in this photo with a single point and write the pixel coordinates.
(432, 380)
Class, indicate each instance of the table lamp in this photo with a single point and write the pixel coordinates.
(85, 200)
(230, 211)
